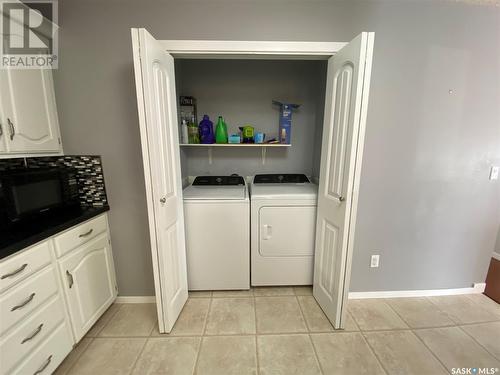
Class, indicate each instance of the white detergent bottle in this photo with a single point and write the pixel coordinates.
(184, 132)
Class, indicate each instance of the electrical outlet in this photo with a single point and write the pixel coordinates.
(374, 261)
(494, 172)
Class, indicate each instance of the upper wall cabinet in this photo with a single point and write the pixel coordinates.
(3, 134)
(29, 114)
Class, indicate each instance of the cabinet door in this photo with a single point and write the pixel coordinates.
(89, 283)
(28, 101)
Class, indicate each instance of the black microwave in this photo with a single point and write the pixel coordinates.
(30, 193)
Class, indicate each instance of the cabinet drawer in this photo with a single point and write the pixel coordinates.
(79, 235)
(48, 355)
(17, 267)
(20, 301)
(30, 333)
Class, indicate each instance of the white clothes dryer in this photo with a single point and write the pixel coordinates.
(283, 224)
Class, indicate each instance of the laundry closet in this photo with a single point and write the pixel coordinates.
(226, 216)
(266, 238)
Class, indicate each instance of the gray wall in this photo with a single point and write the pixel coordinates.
(425, 202)
(242, 92)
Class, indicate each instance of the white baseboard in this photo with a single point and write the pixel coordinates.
(496, 256)
(135, 299)
(477, 288)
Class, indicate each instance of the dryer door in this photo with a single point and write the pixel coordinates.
(287, 231)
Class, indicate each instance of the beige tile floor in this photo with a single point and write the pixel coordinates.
(283, 331)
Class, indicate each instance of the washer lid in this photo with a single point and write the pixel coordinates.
(284, 191)
(225, 192)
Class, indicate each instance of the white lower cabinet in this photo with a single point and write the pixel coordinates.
(47, 304)
(24, 299)
(31, 332)
(48, 355)
(89, 283)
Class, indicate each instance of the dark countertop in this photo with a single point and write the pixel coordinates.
(15, 239)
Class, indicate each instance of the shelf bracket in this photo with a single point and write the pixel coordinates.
(210, 155)
(264, 149)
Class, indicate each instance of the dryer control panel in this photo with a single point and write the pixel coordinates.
(291, 178)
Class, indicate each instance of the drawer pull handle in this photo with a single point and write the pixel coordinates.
(86, 233)
(32, 336)
(14, 273)
(44, 366)
(22, 304)
(70, 278)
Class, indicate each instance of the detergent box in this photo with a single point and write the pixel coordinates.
(285, 124)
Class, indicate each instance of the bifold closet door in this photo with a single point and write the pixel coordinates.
(156, 100)
(348, 78)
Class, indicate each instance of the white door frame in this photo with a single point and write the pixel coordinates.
(203, 49)
(288, 50)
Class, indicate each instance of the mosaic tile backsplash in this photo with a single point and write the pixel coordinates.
(89, 168)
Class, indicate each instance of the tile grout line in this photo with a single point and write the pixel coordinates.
(257, 363)
(451, 317)
(397, 314)
(98, 333)
(303, 315)
(139, 356)
(362, 332)
(456, 321)
(195, 368)
(309, 336)
(418, 338)
(315, 353)
(370, 348)
(205, 323)
(256, 335)
(154, 325)
(195, 364)
(68, 371)
(483, 306)
(165, 336)
(479, 322)
(477, 342)
(353, 319)
(430, 350)
(337, 332)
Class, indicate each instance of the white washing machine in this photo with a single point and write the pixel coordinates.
(217, 223)
(283, 224)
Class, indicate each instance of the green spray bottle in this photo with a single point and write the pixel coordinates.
(221, 131)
